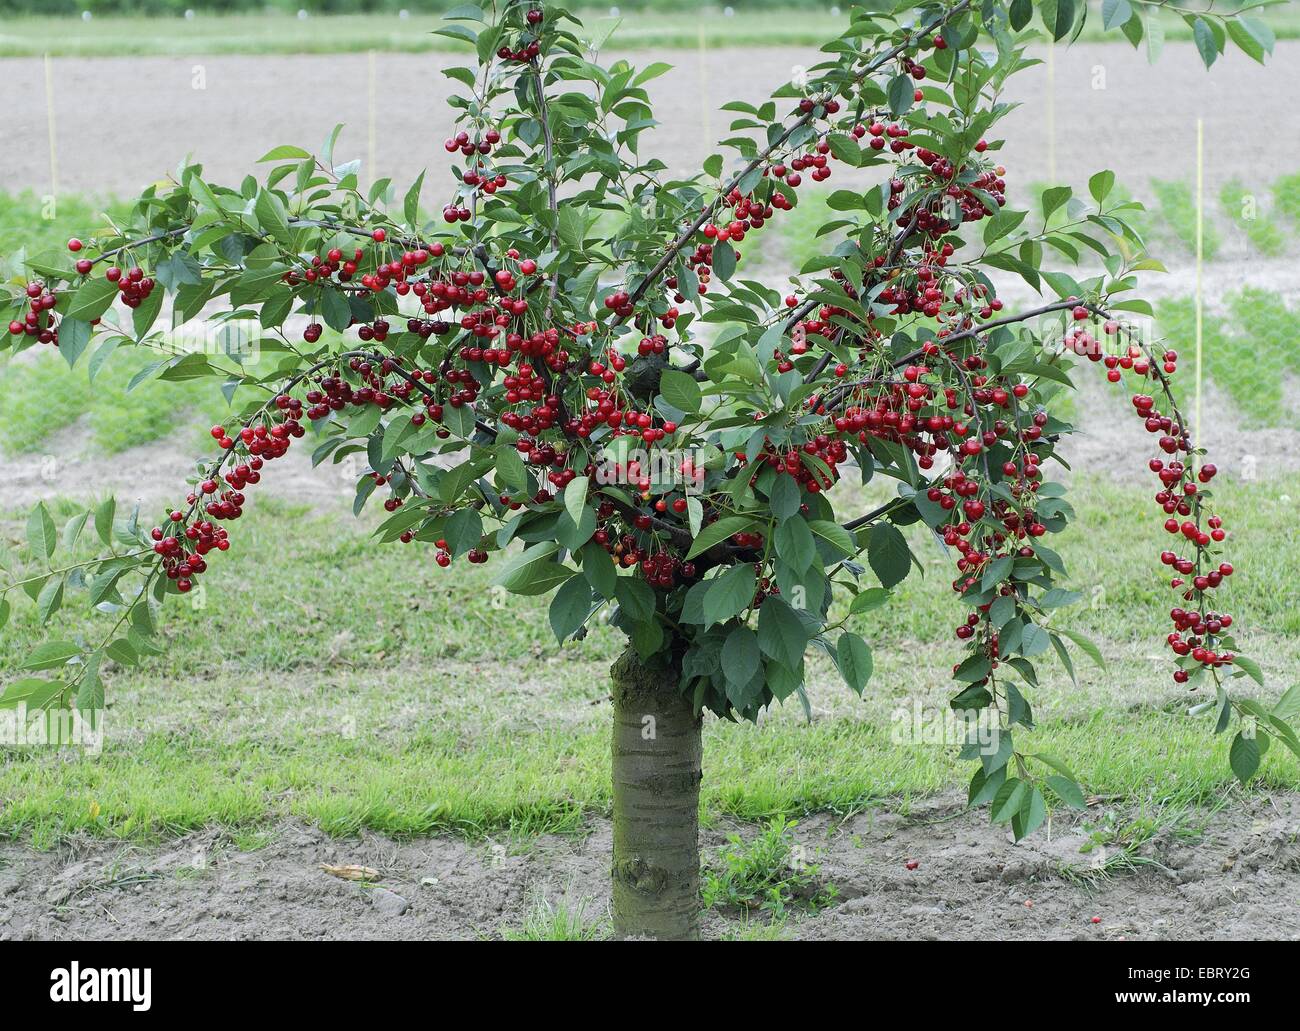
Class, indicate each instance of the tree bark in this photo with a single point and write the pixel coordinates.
(656, 772)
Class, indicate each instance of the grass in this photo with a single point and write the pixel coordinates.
(363, 688)
(35, 224)
(274, 33)
(1286, 197)
(1178, 210)
(800, 243)
(764, 874)
(1246, 350)
(548, 921)
(1264, 234)
(280, 33)
(39, 397)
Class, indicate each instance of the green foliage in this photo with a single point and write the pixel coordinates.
(1264, 234)
(765, 874)
(32, 225)
(1244, 348)
(1177, 209)
(40, 397)
(547, 921)
(1286, 197)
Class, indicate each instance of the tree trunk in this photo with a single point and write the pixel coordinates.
(656, 767)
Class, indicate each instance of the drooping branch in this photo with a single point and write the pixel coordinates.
(710, 209)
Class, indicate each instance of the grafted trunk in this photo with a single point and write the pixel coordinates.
(656, 768)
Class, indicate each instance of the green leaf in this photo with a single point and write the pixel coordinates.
(72, 530)
(635, 598)
(1102, 183)
(1287, 706)
(92, 299)
(570, 607)
(1254, 37)
(1058, 17)
(785, 496)
(526, 568)
(511, 469)
(729, 594)
(572, 226)
(724, 260)
(1251, 667)
(1243, 756)
(781, 633)
(284, 152)
(41, 535)
(853, 657)
(740, 655)
(575, 498)
(1115, 13)
(795, 544)
(1053, 198)
(50, 599)
(463, 531)
(901, 94)
(104, 514)
(598, 568)
(50, 654)
(833, 534)
(680, 390)
(717, 532)
(888, 554)
(1008, 800)
(871, 598)
(1033, 811)
(270, 212)
(336, 311)
(30, 691)
(411, 203)
(74, 335)
(123, 652)
(1086, 644)
(1206, 44)
(1067, 790)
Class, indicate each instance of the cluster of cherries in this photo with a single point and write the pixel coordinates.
(791, 462)
(183, 540)
(528, 48)
(36, 323)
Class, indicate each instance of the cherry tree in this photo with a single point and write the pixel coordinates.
(569, 366)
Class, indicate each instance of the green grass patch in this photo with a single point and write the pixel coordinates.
(31, 223)
(1177, 209)
(40, 395)
(280, 32)
(1242, 209)
(1286, 197)
(1246, 349)
(318, 677)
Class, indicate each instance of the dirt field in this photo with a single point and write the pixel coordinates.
(1238, 878)
(1112, 110)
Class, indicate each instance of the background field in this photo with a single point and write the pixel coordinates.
(361, 700)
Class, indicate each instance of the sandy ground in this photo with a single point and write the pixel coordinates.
(1238, 878)
(1108, 108)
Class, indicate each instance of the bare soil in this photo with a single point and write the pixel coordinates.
(1108, 108)
(1236, 875)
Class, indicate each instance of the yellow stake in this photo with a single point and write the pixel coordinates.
(49, 116)
(704, 80)
(370, 137)
(1051, 113)
(1200, 254)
